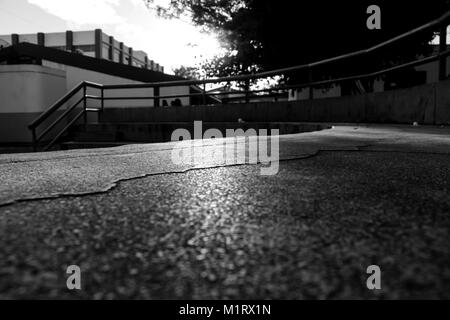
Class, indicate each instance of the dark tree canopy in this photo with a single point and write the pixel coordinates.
(270, 34)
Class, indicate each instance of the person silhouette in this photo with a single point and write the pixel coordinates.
(176, 103)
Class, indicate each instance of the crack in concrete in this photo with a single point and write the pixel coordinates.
(114, 184)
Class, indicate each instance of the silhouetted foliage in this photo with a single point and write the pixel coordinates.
(269, 34)
(190, 73)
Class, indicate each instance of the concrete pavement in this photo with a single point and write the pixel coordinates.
(141, 226)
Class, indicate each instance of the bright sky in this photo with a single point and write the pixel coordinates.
(169, 42)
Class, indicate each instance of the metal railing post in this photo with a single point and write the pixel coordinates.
(156, 95)
(84, 96)
(85, 103)
(442, 48)
(103, 98)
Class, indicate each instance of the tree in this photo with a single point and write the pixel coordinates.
(269, 34)
(191, 73)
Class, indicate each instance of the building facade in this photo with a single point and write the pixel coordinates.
(93, 43)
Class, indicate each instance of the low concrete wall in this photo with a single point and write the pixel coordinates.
(426, 104)
(14, 127)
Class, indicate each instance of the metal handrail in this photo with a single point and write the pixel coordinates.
(442, 22)
(58, 104)
(56, 107)
(60, 118)
(286, 87)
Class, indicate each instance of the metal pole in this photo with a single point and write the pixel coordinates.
(156, 96)
(85, 103)
(84, 97)
(103, 98)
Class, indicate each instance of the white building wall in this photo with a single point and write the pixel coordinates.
(139, 57)
(116, 56)
(105, 37)
(26, 91)
(116, 50)
(105, 52)
(175, 91)
(30, 88)
(76, 75)
(83, 38)
(30, 38)
(55, 39)
(5, 40)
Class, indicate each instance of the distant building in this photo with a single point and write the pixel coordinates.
(94, 43)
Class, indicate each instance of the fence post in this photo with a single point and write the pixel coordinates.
(442, 48)
(156, 95)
